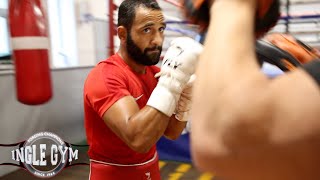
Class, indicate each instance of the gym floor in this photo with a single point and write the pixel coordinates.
(169, 171)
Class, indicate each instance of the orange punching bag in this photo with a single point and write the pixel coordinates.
(30, 44)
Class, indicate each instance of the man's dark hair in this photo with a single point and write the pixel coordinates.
(127, 11)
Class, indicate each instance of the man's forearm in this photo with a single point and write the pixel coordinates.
(174, 128)
(233, 30)
(146, 127)
(223, 76)
(140, 129)
(220, 66)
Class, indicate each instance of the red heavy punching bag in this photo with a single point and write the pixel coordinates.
(30, 44)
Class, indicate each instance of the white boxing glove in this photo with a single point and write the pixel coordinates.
(183, 108)
(178, 65)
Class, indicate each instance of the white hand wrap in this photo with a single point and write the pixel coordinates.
(178, 65)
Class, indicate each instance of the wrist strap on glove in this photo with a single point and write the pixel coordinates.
(163, 100)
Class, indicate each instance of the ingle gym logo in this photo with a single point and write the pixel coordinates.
(44, 154)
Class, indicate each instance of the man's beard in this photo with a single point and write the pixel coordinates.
(143, 58)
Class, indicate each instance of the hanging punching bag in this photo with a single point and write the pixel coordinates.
(30, 44)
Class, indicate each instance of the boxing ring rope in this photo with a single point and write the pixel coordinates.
(285, 19)
(112, 7)
(175, 3)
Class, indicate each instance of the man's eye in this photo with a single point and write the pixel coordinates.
(162, 29)
(147, 30)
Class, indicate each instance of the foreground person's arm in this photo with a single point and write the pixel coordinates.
(250, 127)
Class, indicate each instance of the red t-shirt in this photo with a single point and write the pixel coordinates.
(108, 82)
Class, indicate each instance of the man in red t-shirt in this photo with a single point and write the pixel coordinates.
(126, 108)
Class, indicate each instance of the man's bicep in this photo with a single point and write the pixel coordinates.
(295, 88)
(117, 116)
(296, 103)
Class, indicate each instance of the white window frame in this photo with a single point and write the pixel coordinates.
(62, 30)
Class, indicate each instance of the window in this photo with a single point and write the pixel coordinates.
(4, 33)
(62, 32)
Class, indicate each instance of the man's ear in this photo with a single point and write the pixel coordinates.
(122, 33)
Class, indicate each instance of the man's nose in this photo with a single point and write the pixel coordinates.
(157, 39)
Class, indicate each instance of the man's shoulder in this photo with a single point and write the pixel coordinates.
(106, 70)
(110, 61)
(109, 66)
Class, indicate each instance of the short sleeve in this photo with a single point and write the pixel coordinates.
(104, 87)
